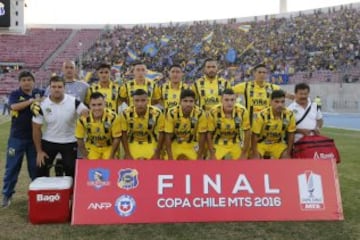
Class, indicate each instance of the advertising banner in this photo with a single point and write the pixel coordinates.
(120, 191)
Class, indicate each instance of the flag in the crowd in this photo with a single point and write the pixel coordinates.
(208, 38)
(132, 56)
(230, 56)
(88, 76)
(164, 40)
(197, 48)
(191, 62)
(251, 45)
(153, 75)
(245, 27)
(116, 68)
(248, 47)
(150, 49)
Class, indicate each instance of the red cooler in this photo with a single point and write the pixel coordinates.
(49, 199)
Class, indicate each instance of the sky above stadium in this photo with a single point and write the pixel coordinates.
(156, 11)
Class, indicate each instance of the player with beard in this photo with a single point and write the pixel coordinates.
(209, 88)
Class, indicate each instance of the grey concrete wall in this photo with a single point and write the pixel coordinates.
(341, 98)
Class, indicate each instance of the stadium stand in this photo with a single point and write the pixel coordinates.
(316, 47)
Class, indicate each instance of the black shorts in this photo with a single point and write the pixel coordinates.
(68, 153)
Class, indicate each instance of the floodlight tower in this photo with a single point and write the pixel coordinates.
(283, 6)
(12, 16)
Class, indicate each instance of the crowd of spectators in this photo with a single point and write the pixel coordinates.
(324, 40)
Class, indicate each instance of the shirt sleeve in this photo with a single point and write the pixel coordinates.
(245, 125)
(277, 87)
(81, 108)
(123, 122)
(79, 129)
(292, 124)
(203, 124)
(157, 93)
(211, 122)
(239, 88)
(161, 123)
(14, 98)
(39, 119)
(116, 128)
(123, 92)
(169, 123)
(87, 97)
(257, 124)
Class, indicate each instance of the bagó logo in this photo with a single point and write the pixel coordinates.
(311, 191)
(98, 177)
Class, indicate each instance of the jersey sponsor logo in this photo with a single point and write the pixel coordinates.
(211, 101)
(98, 178)
(311, 191)
(259, 102)
(128, 179)
(125, 205)
(48, 197)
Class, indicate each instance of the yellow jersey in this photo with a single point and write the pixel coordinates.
(142, 129)
(111, 94)
(98, 133)
(228, 129)
(127, 89)
(171, 97)
(256, 98)
(186, 129)
(208, 92)
(271, 130)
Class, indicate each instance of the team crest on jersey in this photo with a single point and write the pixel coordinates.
(237, 120)
(98, 177)
(140, 126)
(227, 126)
(269, 91)
(107, 125)
(285, 122)
(174, 96)
(48, 110)
(125, 205)
(193, 120)
(97, 130)
(211, 91)
(128, 179)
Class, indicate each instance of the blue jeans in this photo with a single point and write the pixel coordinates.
(16, 150)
